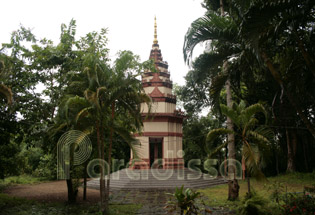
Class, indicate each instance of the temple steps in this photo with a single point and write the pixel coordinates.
(161, 179)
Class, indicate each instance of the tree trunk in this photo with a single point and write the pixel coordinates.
(71, 194)
(291, 144)
(233, 189)
(277, 162)
(291, 99)
(231, 143)
(84, 181)
(305, 155)
(101, 157)
(221, 8)
(105, 209)
(248, 185)
(110, 154)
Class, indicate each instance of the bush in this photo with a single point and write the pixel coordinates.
(10, 162)
(302, 204)
(47, 167)
(184, 200)
(253, 204)
(32, 157)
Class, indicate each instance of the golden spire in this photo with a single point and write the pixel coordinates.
(155, 41)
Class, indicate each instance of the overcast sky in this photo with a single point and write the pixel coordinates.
(130, 24)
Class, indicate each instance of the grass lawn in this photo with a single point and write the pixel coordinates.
(295, 182)
(21, 179)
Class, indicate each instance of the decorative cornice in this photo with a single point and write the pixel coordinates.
(159, 134)
(156, 78)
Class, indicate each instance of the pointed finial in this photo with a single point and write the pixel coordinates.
(155, 41)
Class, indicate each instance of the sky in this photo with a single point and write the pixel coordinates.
(130, 24)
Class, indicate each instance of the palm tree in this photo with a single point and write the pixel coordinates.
(113, 93)
(252, 136)
(220, 30)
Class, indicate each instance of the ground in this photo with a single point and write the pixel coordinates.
(152, 202)
(55, 191)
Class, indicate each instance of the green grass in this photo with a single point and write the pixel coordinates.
(21, 179)
(294, 182)
(20, 206)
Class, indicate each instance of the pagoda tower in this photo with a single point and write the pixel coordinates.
(161, 139)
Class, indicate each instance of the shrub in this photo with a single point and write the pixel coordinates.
(302, 204)
(253, 204)
(47, 167)
(184, 200)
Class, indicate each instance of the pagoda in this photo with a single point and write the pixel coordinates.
(161, 139)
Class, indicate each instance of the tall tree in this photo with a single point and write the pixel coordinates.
(221, 31)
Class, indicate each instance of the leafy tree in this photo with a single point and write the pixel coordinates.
(278, 32)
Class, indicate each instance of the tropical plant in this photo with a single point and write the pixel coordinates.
(253, 204)
(114, 97)
(252, 136)
(184, 200)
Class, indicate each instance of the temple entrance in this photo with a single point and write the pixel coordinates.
(156, 152)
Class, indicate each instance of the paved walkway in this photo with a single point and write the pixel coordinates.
(153, 202)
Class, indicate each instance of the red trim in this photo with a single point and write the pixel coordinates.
(157, 84)
(164, 74)
(174, 159)
(164, 119)
(165, 99)
(176, 114)
(160, 134)
(156, 93)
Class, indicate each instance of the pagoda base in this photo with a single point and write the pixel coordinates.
(166, 163)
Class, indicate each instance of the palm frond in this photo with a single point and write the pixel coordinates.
(231, 113)
(216, 150)
(250, 111)
(261, 135)
(252, 160)
(209, 27)
(212, 135)
(83, 112)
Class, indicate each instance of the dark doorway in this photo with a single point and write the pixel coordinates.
(156, 152)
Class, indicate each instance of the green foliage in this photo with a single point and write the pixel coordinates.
(194, 136)
(299, 204)
(184, 200)
(47, 167)
(269, 48)
(277, 190)
(253, 204)
(10, 161)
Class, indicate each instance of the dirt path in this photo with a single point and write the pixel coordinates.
(55, 191)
